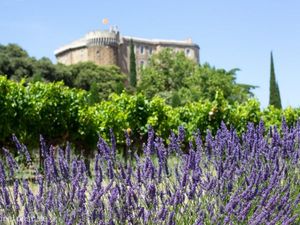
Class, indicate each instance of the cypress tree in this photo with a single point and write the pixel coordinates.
(275, 99)
(132, 68)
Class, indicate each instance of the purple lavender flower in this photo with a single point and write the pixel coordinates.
(192, 192)
(2, 174)
(10, 162)
(198, 140)
(174, 146)
(110, 171)
(127, 137)
(17, 143)
(297, 200)
(16, 194)
(243, 213)
(209, 144)
(27, 155)
(6, 198)
(74, 168)
(181, 134)
(162, 214)
(151, 191)
(171, 220)
(141, 212)
(138, 174)
(113, 143)
(103, 149)
(149, 146)
(184, 179)
(140, 193)
(63, 165)
(43, 147)
(290, 220)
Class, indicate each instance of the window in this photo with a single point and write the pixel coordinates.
(150, 50)
(187, 52)
(142, 64)
(142, 49)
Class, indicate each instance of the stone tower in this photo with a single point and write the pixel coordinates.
(102, 47)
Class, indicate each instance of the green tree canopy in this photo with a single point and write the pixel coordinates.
(102, 79)
(207, 80)
(15, 62)
(179, 80)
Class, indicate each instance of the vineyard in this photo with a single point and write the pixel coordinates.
(61, 114)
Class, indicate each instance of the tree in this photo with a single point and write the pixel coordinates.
(15, 62)
(13, 50)
(165, 74)
(179, 80)
(275, 99)
(132, 77)
(46, 69)
(207, 80)
(102, 79)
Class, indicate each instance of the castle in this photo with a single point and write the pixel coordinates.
(108, 47)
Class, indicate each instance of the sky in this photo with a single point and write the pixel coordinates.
(231, 34)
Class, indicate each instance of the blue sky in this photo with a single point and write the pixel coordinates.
(231, 33)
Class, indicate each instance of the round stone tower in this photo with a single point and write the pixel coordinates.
(102, 47)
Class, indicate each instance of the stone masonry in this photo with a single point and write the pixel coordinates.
(108, 47)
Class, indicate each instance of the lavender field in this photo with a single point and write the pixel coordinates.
(218, 179)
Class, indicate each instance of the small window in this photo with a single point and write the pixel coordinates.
(142, 64)
(142, 49)
(150, 50)
(187, 52)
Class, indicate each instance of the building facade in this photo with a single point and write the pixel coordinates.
(108, 47)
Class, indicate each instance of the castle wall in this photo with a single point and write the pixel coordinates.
(103, 55)
(124, 58)
(73, 56)
(145, 49)
(64, 58)
(192, 52)
(79, 55)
